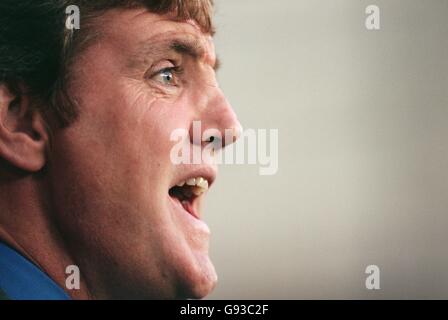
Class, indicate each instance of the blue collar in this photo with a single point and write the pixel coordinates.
(22, 280)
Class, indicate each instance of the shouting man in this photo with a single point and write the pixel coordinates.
(87, 185)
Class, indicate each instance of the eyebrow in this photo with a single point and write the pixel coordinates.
(193, 49)
(186, 47)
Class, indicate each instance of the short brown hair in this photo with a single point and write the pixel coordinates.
(37, 50)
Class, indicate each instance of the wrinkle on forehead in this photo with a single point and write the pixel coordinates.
(129, 17)
(199, 47)
(142, 36)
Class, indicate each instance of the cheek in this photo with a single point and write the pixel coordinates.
(116, 159)
(108, 199)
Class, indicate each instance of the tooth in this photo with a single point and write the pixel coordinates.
(199, 180)
(203, 184)
(191, 182)
(197, 191)
(181, 184)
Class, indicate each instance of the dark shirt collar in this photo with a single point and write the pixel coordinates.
(20, 279)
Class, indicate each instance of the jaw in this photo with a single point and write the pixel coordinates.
(196, 274)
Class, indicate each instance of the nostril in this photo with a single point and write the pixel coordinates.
(211, 136)
(215, 141)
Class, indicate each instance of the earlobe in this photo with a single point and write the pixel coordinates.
(23, 133)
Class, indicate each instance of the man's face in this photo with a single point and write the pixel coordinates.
(110, 172)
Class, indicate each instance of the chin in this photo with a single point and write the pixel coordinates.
(200, 283)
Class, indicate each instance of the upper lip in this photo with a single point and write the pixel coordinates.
(206, 172)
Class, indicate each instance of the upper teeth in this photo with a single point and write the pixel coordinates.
(199, 184)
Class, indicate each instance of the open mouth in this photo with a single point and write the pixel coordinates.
(187, 192)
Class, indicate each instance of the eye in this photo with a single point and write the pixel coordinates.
(167, 76)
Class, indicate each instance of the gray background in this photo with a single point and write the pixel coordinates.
(363, 123)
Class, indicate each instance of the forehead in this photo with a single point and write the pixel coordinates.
(137, 30)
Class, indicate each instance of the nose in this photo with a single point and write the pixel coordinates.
(219, 123)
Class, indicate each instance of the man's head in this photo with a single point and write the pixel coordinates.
(87, 115)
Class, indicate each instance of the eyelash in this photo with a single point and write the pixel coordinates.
(176, 70)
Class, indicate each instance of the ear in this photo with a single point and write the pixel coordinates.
(23, 134)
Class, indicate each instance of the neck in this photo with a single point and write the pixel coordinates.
(26, 224)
